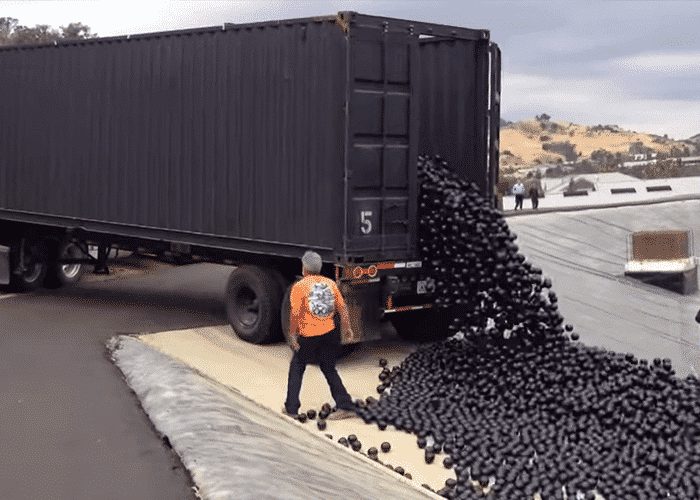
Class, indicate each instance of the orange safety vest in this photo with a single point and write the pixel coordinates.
(314, 300)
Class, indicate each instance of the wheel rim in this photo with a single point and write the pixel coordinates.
(70, 271)
(247, 307)
(32, 272)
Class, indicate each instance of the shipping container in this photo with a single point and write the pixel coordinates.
(245, 143)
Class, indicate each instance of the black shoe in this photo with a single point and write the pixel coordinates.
(291, 415)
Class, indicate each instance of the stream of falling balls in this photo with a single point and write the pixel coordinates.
(519, 407)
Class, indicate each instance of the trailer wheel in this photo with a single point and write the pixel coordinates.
(35, 266)
(423, 326)
(58, 274)
(345, 349)
(253, 298)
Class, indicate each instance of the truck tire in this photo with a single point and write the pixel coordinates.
(253, 298)
(425, 325)
(344, 350)
(58, 274)
(35, 263)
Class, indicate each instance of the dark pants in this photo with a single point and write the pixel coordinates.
(321, 350)
(535, 201)
(519, 201)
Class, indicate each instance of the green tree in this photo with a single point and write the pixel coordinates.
(7, 27)
(13, 33)
(76, 31)
(41, 33)
(505, 182)
(679, 151)
(566, 149)
(662, 169)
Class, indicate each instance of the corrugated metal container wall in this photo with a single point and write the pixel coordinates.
(267, 138)
(235, 133)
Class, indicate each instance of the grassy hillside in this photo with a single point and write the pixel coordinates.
(539, 141)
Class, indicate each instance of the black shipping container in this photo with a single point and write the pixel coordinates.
(265, 138)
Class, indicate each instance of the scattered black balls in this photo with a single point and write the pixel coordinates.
(302, 417)
(512, 395)
(311, 414)
(443, 492)
(373, 451)
(386, 447)
(408, 475)
(344, 442)
(321, 424)
(383, 362)
(356, 445)
(399, 470)
(352, 438)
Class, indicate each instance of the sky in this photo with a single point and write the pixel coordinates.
(631, 63)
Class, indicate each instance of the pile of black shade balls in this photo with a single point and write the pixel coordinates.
(511, 401)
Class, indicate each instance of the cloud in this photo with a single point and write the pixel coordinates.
(597, 100)
(659, 62)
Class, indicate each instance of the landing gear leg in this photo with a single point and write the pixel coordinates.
(101, 264)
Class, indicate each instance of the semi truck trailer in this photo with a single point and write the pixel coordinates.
(245, 144)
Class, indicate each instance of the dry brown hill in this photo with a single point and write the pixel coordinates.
(542, 140)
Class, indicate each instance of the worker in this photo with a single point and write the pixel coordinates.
(313, 336)
(519, 192)
(534, 192)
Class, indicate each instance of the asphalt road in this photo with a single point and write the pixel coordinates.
(69, 425)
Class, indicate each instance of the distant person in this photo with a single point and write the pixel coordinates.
(313, 336)
(519, 192)
(534, 193)
(697, 317)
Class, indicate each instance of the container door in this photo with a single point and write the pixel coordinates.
(455, 105)
(381, 156)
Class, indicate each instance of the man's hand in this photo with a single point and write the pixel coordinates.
(350, 334)
(294, 343)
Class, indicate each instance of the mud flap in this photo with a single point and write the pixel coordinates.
(4, 265)
(364, 303)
